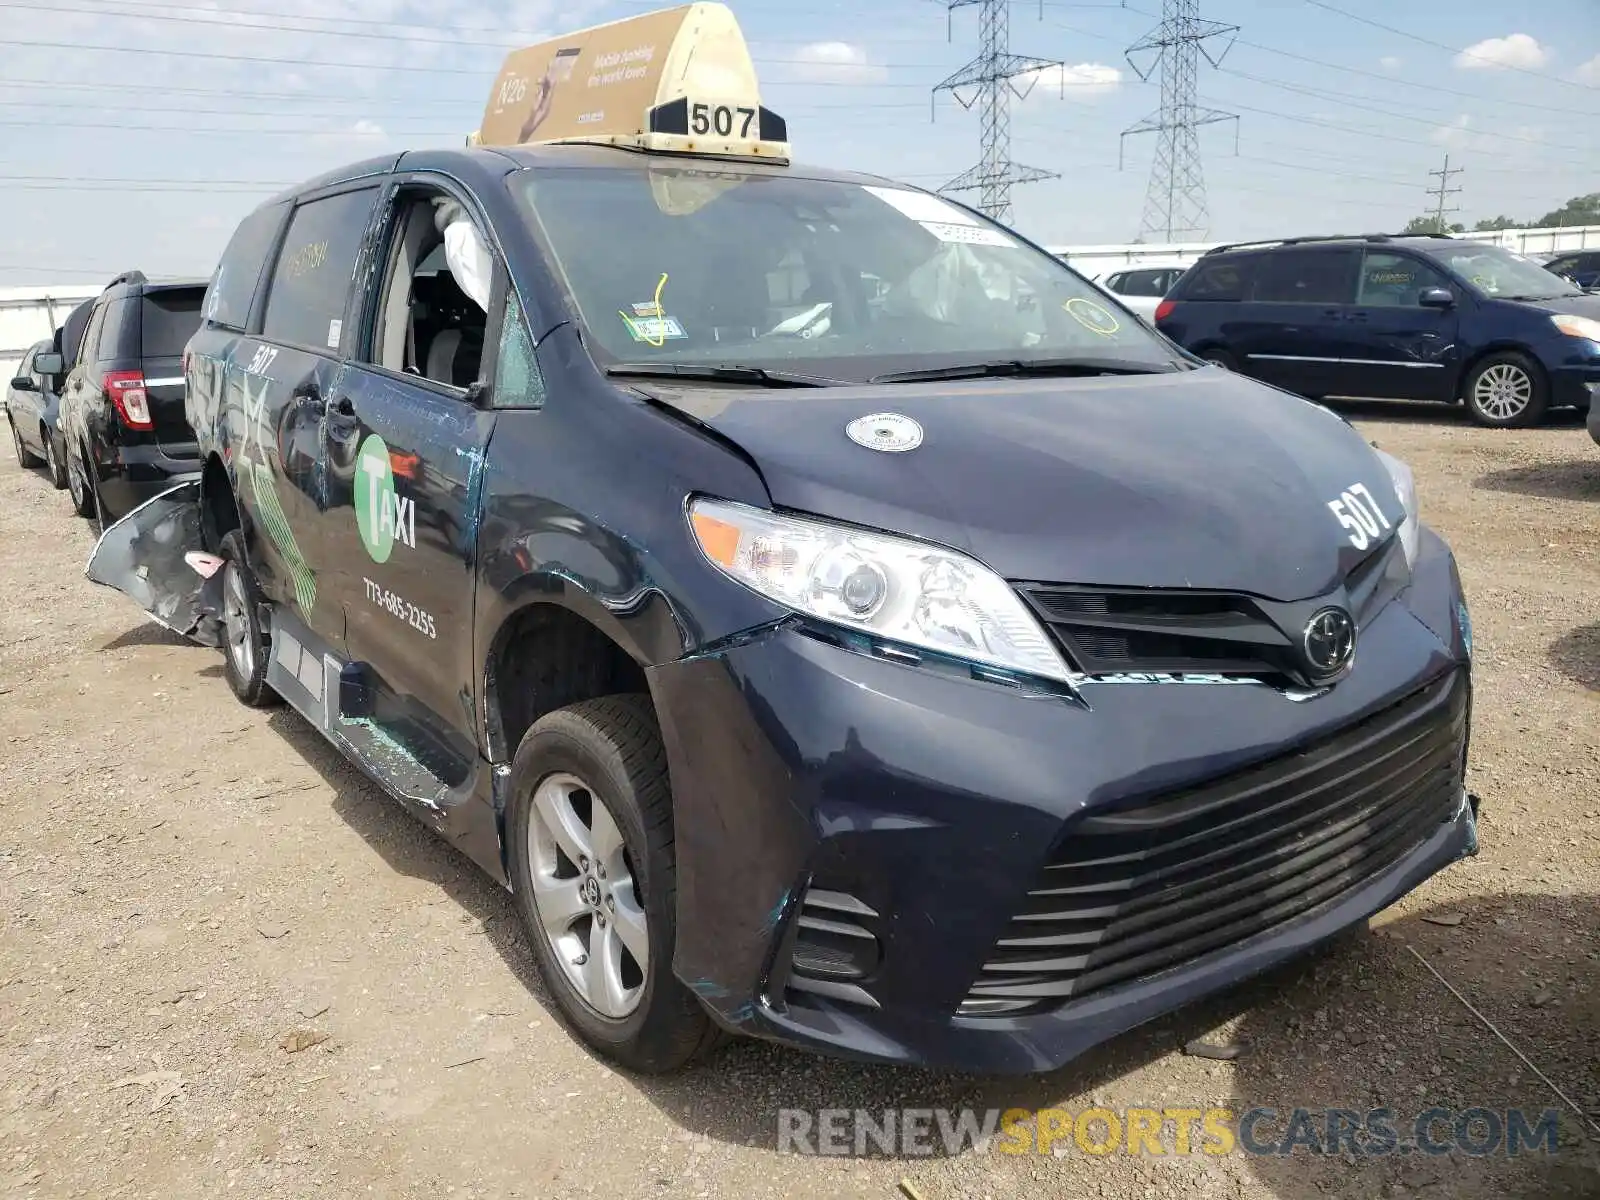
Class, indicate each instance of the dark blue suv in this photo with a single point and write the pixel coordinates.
(1405, 318)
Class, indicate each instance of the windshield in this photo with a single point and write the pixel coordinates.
(675, 265)
(1502, 274)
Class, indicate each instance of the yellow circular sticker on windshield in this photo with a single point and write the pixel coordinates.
(1092, 317)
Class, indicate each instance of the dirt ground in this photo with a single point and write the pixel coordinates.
(187, 886)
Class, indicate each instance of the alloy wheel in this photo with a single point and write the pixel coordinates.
(584, 891)
(75, 483)
(236, 622)
(16, 443)
(1502, 391)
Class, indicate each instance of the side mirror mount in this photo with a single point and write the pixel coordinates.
(48, 364)
(479, 394)
(24, 383)
(1437, 298)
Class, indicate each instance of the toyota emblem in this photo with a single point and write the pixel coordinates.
(1330, 641)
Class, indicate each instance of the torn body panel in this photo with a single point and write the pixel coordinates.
(156, 557)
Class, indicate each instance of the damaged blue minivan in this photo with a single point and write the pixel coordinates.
(832, 618)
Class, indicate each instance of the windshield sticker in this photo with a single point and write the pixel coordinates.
(1092, 317)
(653, 331)
(334, 328)
(891, 433)
(923, 207)
(967, 235)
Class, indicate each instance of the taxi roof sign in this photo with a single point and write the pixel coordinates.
(679, 80)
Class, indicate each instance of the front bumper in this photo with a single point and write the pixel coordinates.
(935, 801)
(1575, 386)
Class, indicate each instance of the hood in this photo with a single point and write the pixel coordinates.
(1584, 305)
(1200, 479)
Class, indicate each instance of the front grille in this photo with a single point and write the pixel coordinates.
(1111, 631)
(833, 946)
(1139, 890)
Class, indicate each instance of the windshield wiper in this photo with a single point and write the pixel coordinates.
(725, 373)
(1031, 366)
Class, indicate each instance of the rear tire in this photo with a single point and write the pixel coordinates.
(26, 459)
(1221, 358)
(79, 486)
(244, 643)
(592, 777)
(52, 460)
(1506, 391)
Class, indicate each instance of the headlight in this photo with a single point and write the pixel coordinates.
(1406, 487)
(1579, 327)
(894, 588)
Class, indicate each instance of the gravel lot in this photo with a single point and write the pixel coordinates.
(186, 887)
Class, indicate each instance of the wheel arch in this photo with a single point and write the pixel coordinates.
(555, 644)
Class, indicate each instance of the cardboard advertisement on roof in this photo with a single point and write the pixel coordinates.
(677, 80)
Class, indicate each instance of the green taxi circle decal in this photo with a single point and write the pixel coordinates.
(1092, 317)
(375, 498)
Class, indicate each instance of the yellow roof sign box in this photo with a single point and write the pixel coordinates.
(678, 80)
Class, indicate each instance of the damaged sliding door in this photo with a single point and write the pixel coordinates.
(156, 557)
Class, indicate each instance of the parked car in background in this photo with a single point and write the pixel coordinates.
(1582, 267)
(127, 437)
(31, 404)
(1141, 286)
(1405, 318)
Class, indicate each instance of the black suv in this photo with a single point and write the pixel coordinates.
(122, 421)
(1580, 266)
(1404, 318)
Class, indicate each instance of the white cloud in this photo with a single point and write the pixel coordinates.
(1589, 72)
(1457, 135)
(367, 128)
(1073, 81)
(833, 62)
(1515, 50)
(1390, 62)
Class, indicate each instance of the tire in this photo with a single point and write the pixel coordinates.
(1221, 358)
(602, 760)
(52, 460)
(80, 487)
(26, 459)
(244, 643)
(1506, 391)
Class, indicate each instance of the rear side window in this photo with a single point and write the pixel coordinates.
(1228, 279)
(1144, 283)
(233, 285)
(89, 348)
(311, 279)
(1308, 277)
(170, 319)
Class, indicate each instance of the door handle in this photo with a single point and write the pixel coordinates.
(1333, 314)
(1359, 317)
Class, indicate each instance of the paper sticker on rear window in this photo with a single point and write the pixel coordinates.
(335, 327)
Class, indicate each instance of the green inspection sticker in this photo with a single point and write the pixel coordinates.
(1092, 317)
(375, 498)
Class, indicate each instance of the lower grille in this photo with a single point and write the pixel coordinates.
(834, 946)
(1140, 890)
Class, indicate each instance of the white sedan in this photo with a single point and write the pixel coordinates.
(1140, 285)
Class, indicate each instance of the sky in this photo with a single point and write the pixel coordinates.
(137, 133)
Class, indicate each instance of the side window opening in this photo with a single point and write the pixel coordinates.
(1227, 280)
(1396, 281)
(432, 315)
(1308, 277)
(233, 284)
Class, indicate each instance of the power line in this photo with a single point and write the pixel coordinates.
(1353, 102)
(1175, 202)
(991, 80)
(1442, 192)
(1326, 7)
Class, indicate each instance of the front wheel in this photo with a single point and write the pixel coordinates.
(595, 879)
(1506, 391)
